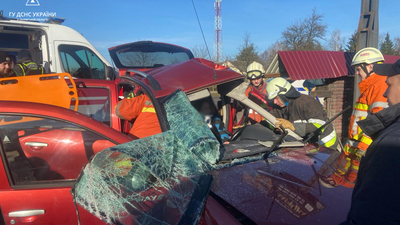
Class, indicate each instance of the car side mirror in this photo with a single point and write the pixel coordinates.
(110, 73)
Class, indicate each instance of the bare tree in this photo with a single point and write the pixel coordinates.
(396, 46)
(247, 54)
(139, 59)
(200, 51)
(306, 34)
(268, 55)
(336, 42)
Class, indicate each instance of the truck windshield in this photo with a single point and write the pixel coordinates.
(81, 62)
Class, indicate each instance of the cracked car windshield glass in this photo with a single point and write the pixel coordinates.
(154, 179)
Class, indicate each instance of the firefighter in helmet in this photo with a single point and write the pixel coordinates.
(371, 99)
(301, 113)
(256, 89)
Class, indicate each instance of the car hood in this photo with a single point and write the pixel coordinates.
(286, 188)
(189, 76)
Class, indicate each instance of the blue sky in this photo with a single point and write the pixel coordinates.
(109, 23)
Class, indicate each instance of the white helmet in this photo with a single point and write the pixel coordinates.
(367, 56)
(255, 70)
(277, 86)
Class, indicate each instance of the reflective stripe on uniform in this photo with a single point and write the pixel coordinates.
(117, 110)
(366, 139)
(329, 140)
(317, 121)
(350, 148)
(22, 69)
(149, 109)
(300, 121)
(361, 106)
(379, 104)
(360, 113)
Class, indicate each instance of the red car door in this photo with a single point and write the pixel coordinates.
(42, 157)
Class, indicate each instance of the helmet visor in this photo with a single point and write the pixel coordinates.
(255, 74)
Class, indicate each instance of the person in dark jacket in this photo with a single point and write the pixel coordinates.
(214, 121)
(301, 113)
(376, 194)
(26, 66)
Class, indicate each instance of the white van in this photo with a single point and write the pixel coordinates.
(58, 48)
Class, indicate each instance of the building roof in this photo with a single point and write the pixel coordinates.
(231, 66)
(299, 65)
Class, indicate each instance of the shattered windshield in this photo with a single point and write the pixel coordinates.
(154, 180)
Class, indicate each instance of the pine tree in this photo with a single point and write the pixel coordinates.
(352, 44)
(387, 46)
(247, 54)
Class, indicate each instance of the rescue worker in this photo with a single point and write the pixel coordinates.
(371, 99)
(345, 173)
(141, 110)
(255, 73)
(375, 198)
(26, 66)
(5, 63)
(301, 113)
(213, 121)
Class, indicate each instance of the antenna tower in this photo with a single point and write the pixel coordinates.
(217, 32)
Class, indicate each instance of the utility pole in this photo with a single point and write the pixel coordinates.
(217, 32)
(367, 33)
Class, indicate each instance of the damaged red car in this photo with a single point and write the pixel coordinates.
(269, 178)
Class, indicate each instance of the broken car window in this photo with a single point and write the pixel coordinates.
(152, 180)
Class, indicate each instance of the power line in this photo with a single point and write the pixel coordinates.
(201, 29)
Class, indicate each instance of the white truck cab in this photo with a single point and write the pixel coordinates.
(56, 47)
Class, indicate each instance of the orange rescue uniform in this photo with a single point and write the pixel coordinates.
(253, 115)
(346, 171)
(371, 100)
(142, 110)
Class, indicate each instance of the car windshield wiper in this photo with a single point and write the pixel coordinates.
(277, 142)
(318, 131)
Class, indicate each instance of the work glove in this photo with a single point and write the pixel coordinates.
(285, 123)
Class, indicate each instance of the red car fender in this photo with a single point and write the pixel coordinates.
(215, 214)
